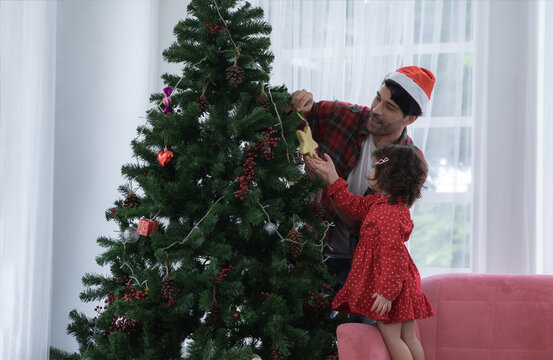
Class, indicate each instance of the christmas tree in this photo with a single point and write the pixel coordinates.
(220, 245)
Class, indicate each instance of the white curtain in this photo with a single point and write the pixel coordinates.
(337, 49)
(508, 171)
(27, 96)
(342, 49)
(545, 134)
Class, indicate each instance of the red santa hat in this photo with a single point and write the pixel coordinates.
(417, 81)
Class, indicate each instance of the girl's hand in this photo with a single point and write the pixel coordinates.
(308, 169)
(323, 169)
(381, 304)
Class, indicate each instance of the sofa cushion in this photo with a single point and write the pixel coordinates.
(488, 316)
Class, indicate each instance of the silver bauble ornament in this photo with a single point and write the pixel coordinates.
(130, 235)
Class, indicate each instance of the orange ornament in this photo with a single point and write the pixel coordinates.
(164, 157)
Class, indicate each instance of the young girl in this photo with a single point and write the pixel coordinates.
(384, 283)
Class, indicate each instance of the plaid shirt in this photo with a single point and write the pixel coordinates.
(340, 129)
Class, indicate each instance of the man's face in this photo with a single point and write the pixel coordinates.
(386, 116)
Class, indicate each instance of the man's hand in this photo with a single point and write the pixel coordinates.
(323, 169)
(381, 304)
(302, 100)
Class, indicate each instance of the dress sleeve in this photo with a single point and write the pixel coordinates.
(355, 206)
(394, 258)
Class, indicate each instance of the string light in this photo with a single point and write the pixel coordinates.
(196, 225)
(133, 276)
(224, 22)
(282, 239)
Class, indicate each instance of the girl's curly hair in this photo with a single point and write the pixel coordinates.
(403, 175)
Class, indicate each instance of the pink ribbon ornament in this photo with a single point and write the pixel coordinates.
(167, 100)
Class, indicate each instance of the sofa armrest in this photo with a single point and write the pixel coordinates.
(360, 342)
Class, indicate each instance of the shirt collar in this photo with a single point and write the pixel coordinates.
(403, 138)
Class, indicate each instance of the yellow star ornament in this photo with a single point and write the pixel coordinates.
(307, 144)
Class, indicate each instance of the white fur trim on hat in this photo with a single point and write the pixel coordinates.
(411, 87)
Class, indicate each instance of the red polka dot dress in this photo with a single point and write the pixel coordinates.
(381, 263)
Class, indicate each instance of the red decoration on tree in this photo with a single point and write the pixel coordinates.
(318, 301)
(122, 322)
(267, 294)
(236, 315)
(146, 227)
(223, 273)
(165, 156)
(214, 29)
(261, 148)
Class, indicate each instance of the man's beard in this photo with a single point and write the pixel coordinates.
(382, 129)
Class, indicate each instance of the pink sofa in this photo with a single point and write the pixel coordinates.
(477, 317)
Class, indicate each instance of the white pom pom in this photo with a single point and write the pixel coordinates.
(270, 228)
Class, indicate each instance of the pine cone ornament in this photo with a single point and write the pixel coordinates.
(263, 101)
(131, 201)
(214, 313)
(202, 101)
(318, 210)
(235, 75)
(169, 290)
(277, 355)
(296, 245)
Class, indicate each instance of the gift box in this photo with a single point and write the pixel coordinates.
(146, 227)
